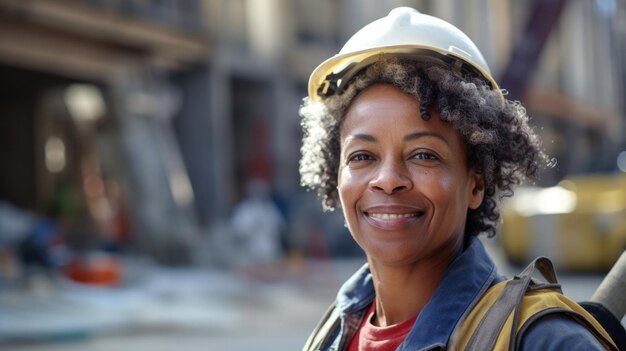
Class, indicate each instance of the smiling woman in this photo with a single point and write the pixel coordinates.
(403, 182)
(499, 142)
(413, 139)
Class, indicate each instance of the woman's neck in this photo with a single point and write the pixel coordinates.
(402, 291)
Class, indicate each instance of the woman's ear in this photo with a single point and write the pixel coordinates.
(476, 190)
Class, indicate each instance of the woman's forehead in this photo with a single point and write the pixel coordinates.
(383, 97)
(385, 108)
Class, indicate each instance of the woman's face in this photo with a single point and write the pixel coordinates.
(403, 182)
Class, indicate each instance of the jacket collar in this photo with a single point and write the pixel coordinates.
(465, 281)
(357, 292)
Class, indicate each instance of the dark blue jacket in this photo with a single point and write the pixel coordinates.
(465, 281)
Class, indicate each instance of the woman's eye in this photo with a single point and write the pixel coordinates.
(425, 156)
(360, 157)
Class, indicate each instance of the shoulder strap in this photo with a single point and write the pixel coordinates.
(489, 328)
(329, 322)
(497, 323)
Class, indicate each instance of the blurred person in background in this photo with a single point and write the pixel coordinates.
(407, 132)
(257, 224)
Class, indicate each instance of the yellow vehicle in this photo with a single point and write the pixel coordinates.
(580, 223)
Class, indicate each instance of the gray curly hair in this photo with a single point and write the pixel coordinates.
(502, 147)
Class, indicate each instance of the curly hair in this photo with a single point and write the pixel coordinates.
(502, 147)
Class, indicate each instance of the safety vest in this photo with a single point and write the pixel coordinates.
(502, 315)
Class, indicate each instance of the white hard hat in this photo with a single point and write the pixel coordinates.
(404, 32)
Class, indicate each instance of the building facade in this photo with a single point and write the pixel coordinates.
(186, 101)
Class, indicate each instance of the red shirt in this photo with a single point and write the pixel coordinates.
(373, 338)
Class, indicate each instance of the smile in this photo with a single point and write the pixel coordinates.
(392, 221)
(392, 216)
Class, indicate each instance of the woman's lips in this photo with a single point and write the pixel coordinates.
(388, 216)
(391, 218)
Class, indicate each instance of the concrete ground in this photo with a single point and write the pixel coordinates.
(192, 309)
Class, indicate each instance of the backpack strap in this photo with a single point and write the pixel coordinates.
(546, 268)
(489, 328)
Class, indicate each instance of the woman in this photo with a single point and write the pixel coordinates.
(409, 134)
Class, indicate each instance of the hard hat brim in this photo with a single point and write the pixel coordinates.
(338, 65)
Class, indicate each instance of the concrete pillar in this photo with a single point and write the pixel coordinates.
(444, 9)
(222, 142)
(195, 135)
(286, 141)
(268, 30)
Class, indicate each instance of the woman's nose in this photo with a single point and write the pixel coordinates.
(391, 177)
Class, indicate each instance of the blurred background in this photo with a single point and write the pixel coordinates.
(149, 188)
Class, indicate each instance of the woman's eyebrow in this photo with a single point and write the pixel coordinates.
(418, 135)
(364, 137)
